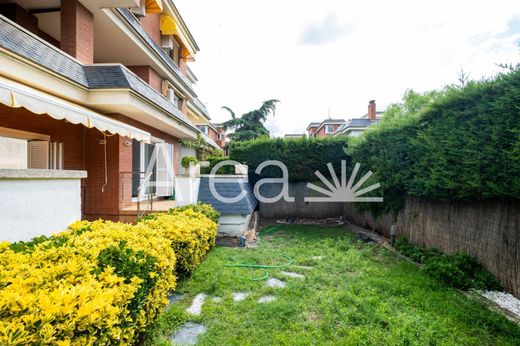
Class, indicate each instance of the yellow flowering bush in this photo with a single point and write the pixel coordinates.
(191, 233)
(98, 282)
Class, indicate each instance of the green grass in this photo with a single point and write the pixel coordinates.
(358, 294)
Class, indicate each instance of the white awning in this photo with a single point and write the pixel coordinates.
(15, 95)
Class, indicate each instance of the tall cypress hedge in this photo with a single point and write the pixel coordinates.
(301, 156)
(464, 146)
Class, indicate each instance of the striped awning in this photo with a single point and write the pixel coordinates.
(16, 95)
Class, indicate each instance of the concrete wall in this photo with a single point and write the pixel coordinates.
(38, 206)
(298, 208)
(488, 230)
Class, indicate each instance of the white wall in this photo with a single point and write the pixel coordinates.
(233, 225)
(13, 153)
(33, 207)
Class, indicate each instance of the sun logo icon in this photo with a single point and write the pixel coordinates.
(343, 191)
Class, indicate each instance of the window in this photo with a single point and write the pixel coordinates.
(219, 136)
(204, 129)
(329, 129)
(23, 150)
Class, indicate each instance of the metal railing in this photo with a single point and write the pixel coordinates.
(144, 190)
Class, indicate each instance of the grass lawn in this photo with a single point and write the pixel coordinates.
(357, 294)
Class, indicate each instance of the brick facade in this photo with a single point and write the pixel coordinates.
(77, 31)
(151, 23)
(148, 74)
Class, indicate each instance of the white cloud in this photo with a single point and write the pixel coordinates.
(251, 51)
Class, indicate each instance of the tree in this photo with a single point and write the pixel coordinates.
(250, 125)
(203, 149)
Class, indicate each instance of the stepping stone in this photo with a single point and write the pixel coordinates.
(174, 298)
(239, 296)
(217, 300)
(196, 305)
(293, 275)
(266, 299)
(317, 258)
(188, 334)
(272, 282)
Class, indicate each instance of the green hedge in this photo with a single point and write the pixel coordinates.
(464, 145)
(301, 156)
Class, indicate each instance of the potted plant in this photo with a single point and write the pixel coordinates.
(191, 165)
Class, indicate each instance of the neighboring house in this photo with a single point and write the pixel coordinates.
(89, 91)
(221, 135)
(355, 127)
(294, 135)
(326, 128)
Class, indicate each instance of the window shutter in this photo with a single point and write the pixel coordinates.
(38, 155)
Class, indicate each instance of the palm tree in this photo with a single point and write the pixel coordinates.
(250, 125)
(204, 150)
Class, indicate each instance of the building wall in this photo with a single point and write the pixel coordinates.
(32, 207)
(72, 136)
(77, 31)
(13, 153)
(212, 134)
(148, 74)
(151, 23)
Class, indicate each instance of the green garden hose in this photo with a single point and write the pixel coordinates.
(260, 266)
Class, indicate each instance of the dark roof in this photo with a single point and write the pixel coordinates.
(314, 124)
(229, 189)
(359, 122)
(94, 76)
(22, 43)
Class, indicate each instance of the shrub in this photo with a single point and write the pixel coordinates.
(85, 286)
(186, 160)
(458, 144)
(191, 234)
(461, 271)
(98, 282)
(416, 253)
(457, 270)
(205, 209)
(213, 161)
(301, 156)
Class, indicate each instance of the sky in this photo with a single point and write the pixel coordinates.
(332, 57)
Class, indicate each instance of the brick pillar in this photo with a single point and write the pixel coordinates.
(77, 31)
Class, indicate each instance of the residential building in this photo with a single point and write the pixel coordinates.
(93, 95)
(326, 128)
(355, 127)
(222, 138)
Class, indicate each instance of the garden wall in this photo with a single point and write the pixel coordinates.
(298, 208)
(489, 231)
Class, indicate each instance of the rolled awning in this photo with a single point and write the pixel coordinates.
(169, 27)
(153, 6)
(15, 95)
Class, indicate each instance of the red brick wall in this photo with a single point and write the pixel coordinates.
(221, 142)
(212, 134)
(72, 136)
(77, 31)
(151, 23)
(149, 75)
